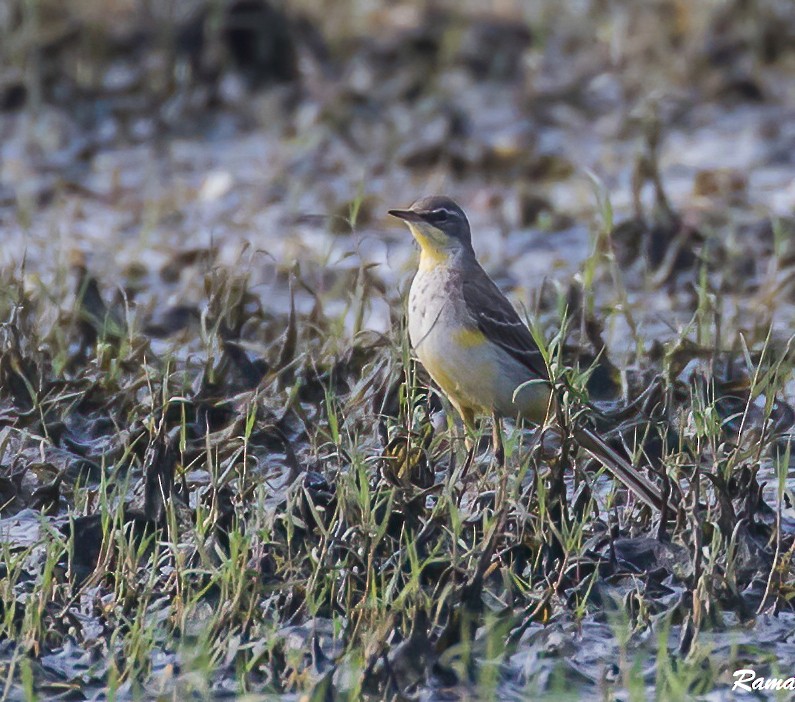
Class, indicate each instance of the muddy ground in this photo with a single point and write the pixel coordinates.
(221, 473)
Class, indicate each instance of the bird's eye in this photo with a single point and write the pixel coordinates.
(439, 215)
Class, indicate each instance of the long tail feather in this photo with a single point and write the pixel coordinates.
(621, 469)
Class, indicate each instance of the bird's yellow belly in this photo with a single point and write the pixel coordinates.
(477, 376)
(463, 367)
(474, 373)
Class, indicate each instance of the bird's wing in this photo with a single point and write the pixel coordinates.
(498, 321)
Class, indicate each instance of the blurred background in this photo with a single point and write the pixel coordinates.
(148, 141)
(173, 173)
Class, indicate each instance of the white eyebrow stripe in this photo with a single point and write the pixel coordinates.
(438, 210)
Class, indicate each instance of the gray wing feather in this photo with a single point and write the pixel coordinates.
(498, 321)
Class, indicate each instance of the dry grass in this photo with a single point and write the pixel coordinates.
(218, 497)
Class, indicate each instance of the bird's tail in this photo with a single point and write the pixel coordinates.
(621, 469)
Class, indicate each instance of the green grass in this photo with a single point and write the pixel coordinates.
(284, 581)
(274, 505)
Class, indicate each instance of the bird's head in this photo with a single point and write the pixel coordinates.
(438, 224)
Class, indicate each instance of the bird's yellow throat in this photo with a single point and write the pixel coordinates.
(432, 253)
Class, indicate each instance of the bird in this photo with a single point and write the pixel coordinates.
(474, 344)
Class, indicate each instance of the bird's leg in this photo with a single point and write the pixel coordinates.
(469, 459)
(496, 440)
(469, 441)
(499, 458)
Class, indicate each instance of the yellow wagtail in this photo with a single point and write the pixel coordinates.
(473, 343)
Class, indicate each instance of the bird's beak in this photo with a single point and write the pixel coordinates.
(407, 215)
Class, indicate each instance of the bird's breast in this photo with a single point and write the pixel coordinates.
(455, 353)
(470, 369)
